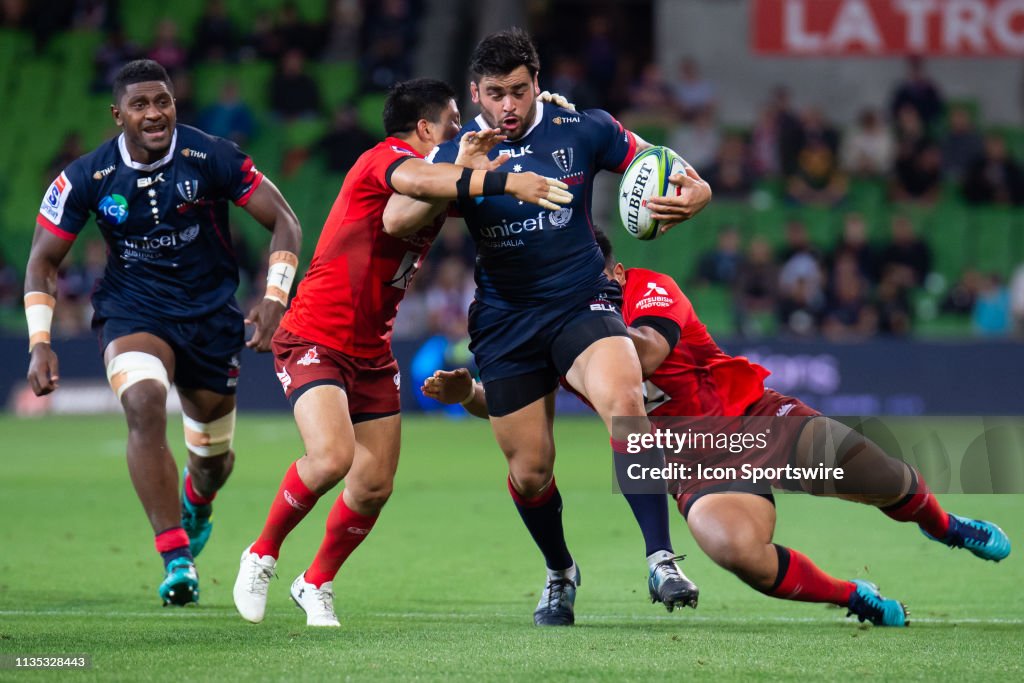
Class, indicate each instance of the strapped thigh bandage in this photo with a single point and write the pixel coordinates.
(132, 367)
(206, 439)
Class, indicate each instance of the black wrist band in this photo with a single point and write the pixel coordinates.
(494, 183)
(462, 184)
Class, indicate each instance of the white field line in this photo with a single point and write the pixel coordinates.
(201, 612)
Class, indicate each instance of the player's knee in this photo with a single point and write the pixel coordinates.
(624, 401)
(531, 482)
(145, 408)
(330, 462)
(372, 495)
(210, 439)
(738, 552)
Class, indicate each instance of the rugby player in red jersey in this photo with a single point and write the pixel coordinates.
(688, 375)
(333, 349)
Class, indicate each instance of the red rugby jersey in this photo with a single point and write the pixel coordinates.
(349, 297)
(697, 378)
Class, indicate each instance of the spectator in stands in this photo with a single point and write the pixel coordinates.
(166, 48)
(1017, 300)
(995, 177)
(345, 140)
(229, 117)
(449, 297)
(601, 60)
(921, 93)
(853, 244)
(764, 142)
(907, 255)
(801, 304)
(345, 24)
(789, 131)
(112, 54)
(70, 149)
(262, 42)
(961, 296)
(293, 92)
(568, 79)
(10, 284)
(962, 145)
(388, 42)
(692, 94)
(797, 241)
(848, 313)
(700, 138)
(818, 181)
(757, 283)
(815, 128)
(215, 34)
(868, 148)
(184, 99)
(991, 314)
(893, 305)
(292, 33)
(650, 99)
(917, 176)
(731, 174)
(721, 265)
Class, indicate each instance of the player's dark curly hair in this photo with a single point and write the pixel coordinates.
(410, 101)
(140, 71)
(606, 248)
(503, 52)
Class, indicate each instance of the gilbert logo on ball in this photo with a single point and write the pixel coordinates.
(646, 177)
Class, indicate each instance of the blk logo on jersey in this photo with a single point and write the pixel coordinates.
(114, 208)
(311, 357)
(189, 190)
(563, 159)
(150, 180)
(520, 152)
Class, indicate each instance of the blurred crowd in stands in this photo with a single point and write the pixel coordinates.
(920, 149)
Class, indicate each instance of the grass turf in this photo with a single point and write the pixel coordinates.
(445, 587)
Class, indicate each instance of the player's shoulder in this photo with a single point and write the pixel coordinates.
(642, 283)
(96, 165)
(636, 275)
(197, 145)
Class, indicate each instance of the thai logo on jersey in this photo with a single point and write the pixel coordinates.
(311, 357)
(103, 172)
(559, 120)
(189, 190)
(563, 159)
(56, 197)
(114, 208)
(193, 153)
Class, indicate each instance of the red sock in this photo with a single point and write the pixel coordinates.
(920, 506)
(171, 539)
(800, 579)
(193, 497)
(292, 502)
(345, 531)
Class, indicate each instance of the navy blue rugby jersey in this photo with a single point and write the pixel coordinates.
(169, 252)
(528, 255)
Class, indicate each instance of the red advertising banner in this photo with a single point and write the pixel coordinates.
(947, 28)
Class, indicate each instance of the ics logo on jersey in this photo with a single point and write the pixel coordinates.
(114, 208)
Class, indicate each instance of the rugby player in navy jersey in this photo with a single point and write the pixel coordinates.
(165, 309)
(543, 307)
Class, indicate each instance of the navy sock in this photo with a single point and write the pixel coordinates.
(543, 518)
(650, 508)
(171, 544)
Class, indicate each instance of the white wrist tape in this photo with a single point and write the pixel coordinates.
(469, 398)
(280, 275)
(39, 314)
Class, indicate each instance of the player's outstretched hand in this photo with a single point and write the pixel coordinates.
(265, 317)
(693, 196)
(556, 99)
(448, 386)
(538, 189)
(476, 145)
(42, 370)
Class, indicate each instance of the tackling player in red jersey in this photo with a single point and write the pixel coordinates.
(333, 349)
(687, 374)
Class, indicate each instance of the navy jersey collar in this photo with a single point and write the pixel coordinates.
(127, 159)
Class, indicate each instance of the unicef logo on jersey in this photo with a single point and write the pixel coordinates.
(114, 208)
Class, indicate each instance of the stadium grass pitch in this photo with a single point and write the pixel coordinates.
(446, 585)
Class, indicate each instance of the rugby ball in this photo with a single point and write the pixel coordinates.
(646, 177)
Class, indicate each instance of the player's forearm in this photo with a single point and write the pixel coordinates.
(286, 233)
(421, 180)
(651, 348)
(477, 404)
(404, 216)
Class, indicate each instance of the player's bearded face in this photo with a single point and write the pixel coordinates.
(146, 113)
(508, 102)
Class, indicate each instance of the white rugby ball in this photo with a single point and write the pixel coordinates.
(647, 177)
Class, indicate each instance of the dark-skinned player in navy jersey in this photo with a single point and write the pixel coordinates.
(165, 309)
(333, 350)
(688, 375)
(544, 309)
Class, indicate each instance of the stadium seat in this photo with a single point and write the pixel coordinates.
(714, 306)
(991, 244)
(370, 109)
(338, 82)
